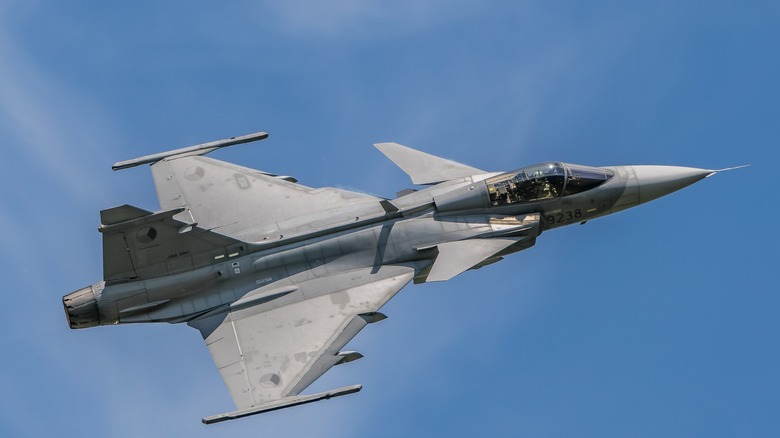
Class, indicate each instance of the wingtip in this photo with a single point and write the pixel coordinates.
(198, 149)
(281, 404)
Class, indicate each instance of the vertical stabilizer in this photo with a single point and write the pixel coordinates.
(139, 244)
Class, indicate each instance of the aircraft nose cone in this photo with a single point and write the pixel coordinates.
(654, 182)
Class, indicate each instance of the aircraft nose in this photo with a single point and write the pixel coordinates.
(654, 182)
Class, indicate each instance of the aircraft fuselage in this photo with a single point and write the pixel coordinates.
(406, 236)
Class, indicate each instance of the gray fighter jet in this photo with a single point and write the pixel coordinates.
(278, 277)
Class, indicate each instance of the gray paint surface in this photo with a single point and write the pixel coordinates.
(278, 277)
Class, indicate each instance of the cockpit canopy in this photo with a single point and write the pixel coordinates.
(544, 181)
(581, 178)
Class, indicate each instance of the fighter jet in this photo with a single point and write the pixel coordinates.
(278, 277)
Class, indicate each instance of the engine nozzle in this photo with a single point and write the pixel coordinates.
(81, 306)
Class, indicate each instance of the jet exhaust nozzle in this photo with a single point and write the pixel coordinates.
(81, 306)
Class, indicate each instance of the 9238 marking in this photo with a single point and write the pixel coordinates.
(563, 216)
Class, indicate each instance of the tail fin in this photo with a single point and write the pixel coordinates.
(139, 244)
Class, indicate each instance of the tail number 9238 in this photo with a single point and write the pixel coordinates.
(563, 216)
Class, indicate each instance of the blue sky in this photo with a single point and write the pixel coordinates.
(658, 321)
